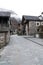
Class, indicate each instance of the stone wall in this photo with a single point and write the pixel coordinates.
(32, 27)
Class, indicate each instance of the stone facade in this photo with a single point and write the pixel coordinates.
(33, 27)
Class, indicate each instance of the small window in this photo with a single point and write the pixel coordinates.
(37, 23)
(41, 23)
(37, 30)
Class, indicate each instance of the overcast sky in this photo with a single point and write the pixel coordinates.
(23, 7)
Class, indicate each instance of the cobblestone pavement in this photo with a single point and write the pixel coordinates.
(21, 51)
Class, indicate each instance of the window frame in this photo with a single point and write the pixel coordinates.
(37, 23)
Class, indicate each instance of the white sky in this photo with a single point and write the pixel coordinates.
(23, 7)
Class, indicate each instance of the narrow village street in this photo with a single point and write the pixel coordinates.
(21, 51)
(21, 32)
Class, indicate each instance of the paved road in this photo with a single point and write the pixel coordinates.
(38, 41)
(21, 51)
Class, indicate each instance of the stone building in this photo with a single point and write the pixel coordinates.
(31, 24)
(14, 24)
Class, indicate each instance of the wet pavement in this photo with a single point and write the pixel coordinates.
(21, 51)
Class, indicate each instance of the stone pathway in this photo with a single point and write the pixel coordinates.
(21, 51)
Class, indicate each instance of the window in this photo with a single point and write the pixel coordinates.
(37, 23)
(41, 23)
(37, 30)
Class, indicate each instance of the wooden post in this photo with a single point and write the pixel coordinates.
(28, 27)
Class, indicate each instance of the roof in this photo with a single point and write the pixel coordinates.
(32, 18)
(5, 13)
